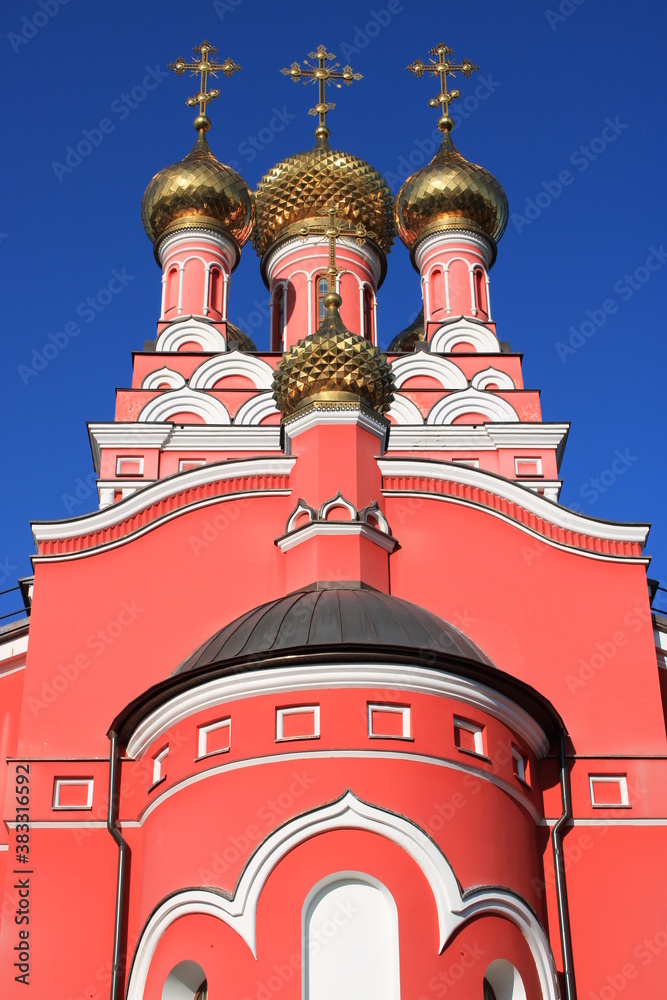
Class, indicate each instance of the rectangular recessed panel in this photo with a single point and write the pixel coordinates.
(469, 736)
(609, 790)
(389, 721)
(73, 793)
(129, 466)
(216, 737)
(299, 723)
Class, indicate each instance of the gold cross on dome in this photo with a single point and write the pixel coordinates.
(443, 68)
(205, 67)
(333, 229)
(322, 74)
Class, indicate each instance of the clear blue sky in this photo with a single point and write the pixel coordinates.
(553, 75)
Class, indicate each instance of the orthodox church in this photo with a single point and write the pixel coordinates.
(331, 696)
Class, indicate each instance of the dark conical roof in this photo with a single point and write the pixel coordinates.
(342, 619)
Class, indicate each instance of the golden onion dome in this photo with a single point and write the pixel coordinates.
(450, 193)
(198, 191)
(333, 369)
(405, 341)
(298, 188)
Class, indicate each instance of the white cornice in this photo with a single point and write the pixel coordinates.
(44, 531)
(563, 518)
(168, 437)
(280, 680)
(319, 528)
(483, 437)
(318, 417)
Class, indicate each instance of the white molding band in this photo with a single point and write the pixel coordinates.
(187, 437)
(240, 912)
(281, 680)
(332, 528)
(44, 531)
(433, 366)
(189, 329)
(416, 436)
(446, 410)
(256, 409)
(405, 412)
(232, 363)
(455, 331)
(349, 417)
(184, 400)
(492, 375)
(163, 375)
(569, 520)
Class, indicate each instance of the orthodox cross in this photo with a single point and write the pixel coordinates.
(204, 66)
(332, 229)
(443, 68)
(322, 73)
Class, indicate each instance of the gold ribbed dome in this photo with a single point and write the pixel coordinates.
(198, 191)
(450, 193)
(333, 369)
(298, 189)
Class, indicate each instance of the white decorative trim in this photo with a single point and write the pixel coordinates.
(432, 365)
(256, 409)
(446, 410)
(317, 418)
(281, 680)
(363, 255)
(403, 710)
(569, 520)
(182, 239)
(135, 461)
(185, 438)
(11, 647)
(45, 531)
(481, 437)
(159, 409)
(333, 528)
(190, 330)
(460, 330)
(337, 501)
(232, 363)
(454, 241)
(213, 727)
(173, 379)
(62, 783)
(313, 710)
(608, 779)
(239, 912)
(404, 411)
(492, 375)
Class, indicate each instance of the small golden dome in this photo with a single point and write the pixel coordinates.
(198, 191)
(450, 193)
(298, 189)
(405, 341)
(333, 369)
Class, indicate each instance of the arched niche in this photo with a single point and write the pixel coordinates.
(502, 981)
(350, 940)
(184, 982)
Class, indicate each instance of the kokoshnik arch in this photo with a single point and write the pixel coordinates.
(338, 739)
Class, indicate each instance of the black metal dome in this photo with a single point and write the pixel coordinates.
(335, 619)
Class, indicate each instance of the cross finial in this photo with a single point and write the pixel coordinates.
(333, 228)
(441, 65)
(205, 66)
(322, 73)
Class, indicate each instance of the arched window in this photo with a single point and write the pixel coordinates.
(322, 289)
(215, 297)
(502, 981)
(186, 981)
(350, 940)
(480, 290)
(368, 313)
(278, 318)
(171, 298)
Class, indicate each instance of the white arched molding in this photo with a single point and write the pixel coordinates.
(190, 331)
(446, 410)
(256, 409)
(494, 377)
(348, 813)
(233, 363)
(450, 334)
(158, 410)
(404, 411)
(163, 376)
(445, 372)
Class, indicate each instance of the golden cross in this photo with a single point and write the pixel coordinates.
(204, 66)
(322, 74)
(443, 68)
(333, 229)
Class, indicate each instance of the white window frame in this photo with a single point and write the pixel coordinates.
(137, 460)
(213, 727)
(477, 730)
(527, 458)
(157, 765)
(61, 783)
(313, 710)
(402, 710)
(607, 779)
